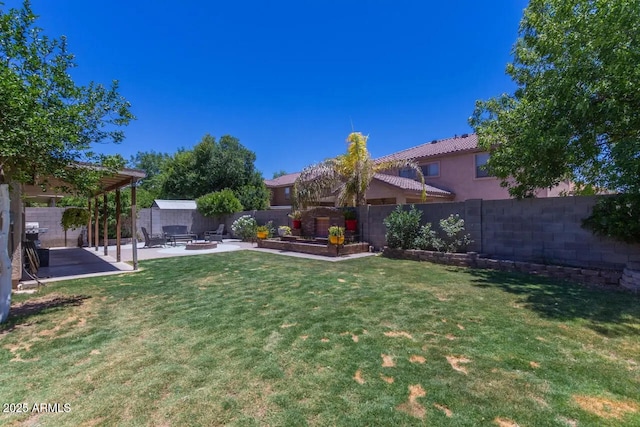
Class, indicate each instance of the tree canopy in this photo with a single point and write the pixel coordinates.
(211, 166)
(576, 111)
(348, 175)
(47, 121)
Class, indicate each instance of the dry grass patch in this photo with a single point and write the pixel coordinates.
(358, 377)
(397, 334)
(414, 358)
(411, 406)
(606, 408)
(387, 361)
(388, 380)
(288, 325)
(504, 422)
(455, 362)
(444, 409)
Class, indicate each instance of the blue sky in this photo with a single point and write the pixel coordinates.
(288, 78)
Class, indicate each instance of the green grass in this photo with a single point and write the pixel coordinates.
(248, 338)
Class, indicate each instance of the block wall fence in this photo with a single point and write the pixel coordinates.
(543, 231)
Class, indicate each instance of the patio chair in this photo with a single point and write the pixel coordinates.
(153, 240)
(215, 235)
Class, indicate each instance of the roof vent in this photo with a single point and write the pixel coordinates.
(464, 135)
(434, 141)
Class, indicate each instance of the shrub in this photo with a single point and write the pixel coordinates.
(403, 227)
(271, 229)
(297, 215)
(349, 213)
(404, 232)
(73, 218)
(428, 239)
(455, 240)
(245, 227)
(284, 230)
(617, 217)
(218, 203)
(336, 231)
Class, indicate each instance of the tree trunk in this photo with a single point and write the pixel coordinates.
(5, 260)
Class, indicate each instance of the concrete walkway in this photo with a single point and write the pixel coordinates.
(77, 263)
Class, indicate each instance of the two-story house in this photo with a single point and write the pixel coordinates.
(452, 170)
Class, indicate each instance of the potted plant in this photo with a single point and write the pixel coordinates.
(350, 221)
(296, 216)
(284, 230)
(336, 235)
(262, 232)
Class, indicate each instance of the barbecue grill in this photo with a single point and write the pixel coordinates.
(33, 231)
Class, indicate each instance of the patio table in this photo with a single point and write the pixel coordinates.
(187, 238)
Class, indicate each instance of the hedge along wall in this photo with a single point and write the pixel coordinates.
(544, 231)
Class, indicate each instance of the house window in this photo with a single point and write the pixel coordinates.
(407, 173)
(287, 193)
(481, 160)
(431, 170)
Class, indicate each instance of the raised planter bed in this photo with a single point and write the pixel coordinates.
(313, 247)
(474, 260)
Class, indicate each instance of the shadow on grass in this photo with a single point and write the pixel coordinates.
(21, 312)
(609, 312)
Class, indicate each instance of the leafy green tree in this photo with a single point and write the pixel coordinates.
(280, 173)
(575, 114)
(210, 166)
(48, 122)
(154, 166)
(218, 203)
(349, 174)
(180, 177)
(253, 197)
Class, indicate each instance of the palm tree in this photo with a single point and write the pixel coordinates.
(348, 175)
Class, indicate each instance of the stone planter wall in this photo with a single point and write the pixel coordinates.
(631, 277)
(313, 249)
(473, 260)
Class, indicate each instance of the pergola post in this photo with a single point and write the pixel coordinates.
(96, 224)
(118, 224)
(134, 228)
(105, 233)
(89, 231)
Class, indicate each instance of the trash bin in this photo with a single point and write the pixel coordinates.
(43, 254)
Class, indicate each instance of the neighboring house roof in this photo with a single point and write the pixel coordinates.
(282, 181)
(410, 184)
(175, 204)
(464, 142)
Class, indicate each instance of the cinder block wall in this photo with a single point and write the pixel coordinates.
(545, 230)
(153, 219)
(549, 231)
(50, 218)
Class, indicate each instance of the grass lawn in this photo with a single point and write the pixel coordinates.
(248, 338)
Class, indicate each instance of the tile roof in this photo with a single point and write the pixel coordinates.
(282, 181)
(436, 148)
(410, 184)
